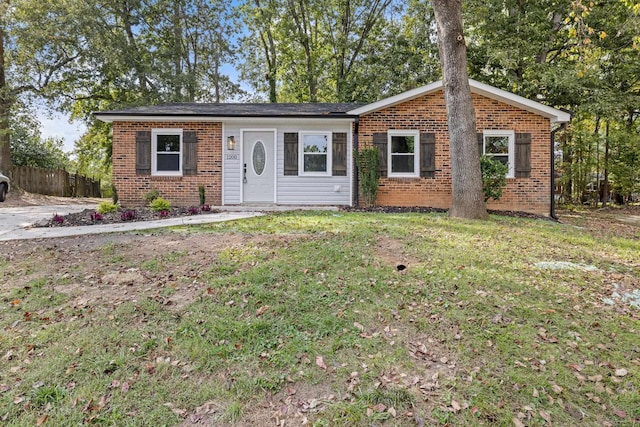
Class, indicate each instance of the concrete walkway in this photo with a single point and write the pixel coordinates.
(15, 223)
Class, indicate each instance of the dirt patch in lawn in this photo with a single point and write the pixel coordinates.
(108, 270)
(613, 221)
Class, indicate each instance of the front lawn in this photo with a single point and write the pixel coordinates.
(326, 319)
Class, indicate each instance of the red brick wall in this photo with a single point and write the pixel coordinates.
(428, 114)
(179, 190)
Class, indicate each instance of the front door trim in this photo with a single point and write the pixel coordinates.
(275, 159)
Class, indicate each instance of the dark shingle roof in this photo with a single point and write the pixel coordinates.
(238, 110)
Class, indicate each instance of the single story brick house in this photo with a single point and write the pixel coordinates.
(301, 154)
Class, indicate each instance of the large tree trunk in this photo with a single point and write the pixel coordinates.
(5, 148)
(466, 179)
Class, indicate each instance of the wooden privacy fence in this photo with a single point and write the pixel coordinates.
(54, 182)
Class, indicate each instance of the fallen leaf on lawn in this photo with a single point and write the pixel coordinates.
(455, 405)
(621, 372)
(260, 311)
(517, 422)
(576, 367)
(392, 412)
(595, 378)
(556, 388)
(177, 411)
(320, 363)
(620, 413)
(546, 416)
(358, 326)
(207, 408)
(15, 302)
(535, 393)
(18, 399)
(3, 388)
(42, 420)
(380, 407)
(125, 387)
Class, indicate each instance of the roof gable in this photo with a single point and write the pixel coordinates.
(555, 115)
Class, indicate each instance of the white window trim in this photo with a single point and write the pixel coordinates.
(512, 146)
(301, 135)
(154, 152)
(416, 153)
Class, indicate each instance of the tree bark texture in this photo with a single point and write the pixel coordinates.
(466, 179)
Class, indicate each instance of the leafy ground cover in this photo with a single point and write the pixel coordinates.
(310, 318)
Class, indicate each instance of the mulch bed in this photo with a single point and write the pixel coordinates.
(89, 216)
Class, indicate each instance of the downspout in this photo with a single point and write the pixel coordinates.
(552, 212)
(356, 126)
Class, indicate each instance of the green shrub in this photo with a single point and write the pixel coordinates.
(106, 207)
(494, 178)
(203, 197)
(152, 195)
(114, 194)
(368, 174)
(160, 204)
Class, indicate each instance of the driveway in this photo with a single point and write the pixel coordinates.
(15, 219)
(15, 222)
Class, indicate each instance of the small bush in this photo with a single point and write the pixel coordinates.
(114, 194)
(96, 216)
(58, 219)
(203, 197)
(494, 178)
(206, 208)
(193, 210)
(164, 214)
(160, 204)
(152, 195)
(107, 207)
(128, 215)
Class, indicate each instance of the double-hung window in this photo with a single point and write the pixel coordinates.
(166, 151)
(315, 153)
(403, 152)
(499, 145)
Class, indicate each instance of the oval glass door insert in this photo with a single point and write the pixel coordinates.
(259, 158)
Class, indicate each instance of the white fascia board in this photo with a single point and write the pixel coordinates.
(236, 120)
(555, 115)
(397, 99)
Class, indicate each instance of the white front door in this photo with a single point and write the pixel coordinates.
(258, 175)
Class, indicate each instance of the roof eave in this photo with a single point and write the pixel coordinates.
(553, 114)
(128, 117)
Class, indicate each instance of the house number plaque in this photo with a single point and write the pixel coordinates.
(231, 157)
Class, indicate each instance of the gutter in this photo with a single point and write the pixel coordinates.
(552, 212)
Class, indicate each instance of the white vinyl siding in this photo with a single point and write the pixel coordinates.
(290, 190)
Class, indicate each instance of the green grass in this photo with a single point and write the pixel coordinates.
(311, 313)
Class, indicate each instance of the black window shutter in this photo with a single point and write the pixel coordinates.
(523, 155)
(291, 154)
(190, 153)
(380, 143)
(143, 152)
(339, 156)
(480, 143)
(428, 155)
